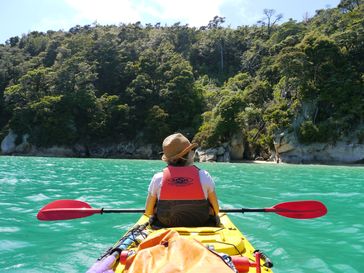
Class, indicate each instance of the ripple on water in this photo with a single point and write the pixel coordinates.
(122, 201)
(325, 194)
(9, 181)
(358, 248)
(347, 230)
(15, 209)
(10, 245)
(37, 197)
(279, 252)
(344, 268)
(59, 227)
(9, 229)
(5, 204)
(316, 265)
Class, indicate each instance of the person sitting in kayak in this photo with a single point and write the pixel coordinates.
(181, 195)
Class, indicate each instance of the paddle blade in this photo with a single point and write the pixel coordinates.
(65, 210)
(300, 209)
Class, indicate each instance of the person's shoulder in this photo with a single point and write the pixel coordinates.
(204, 173)
(206, 180)
(158, 175)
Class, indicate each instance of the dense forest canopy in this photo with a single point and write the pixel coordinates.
(106, 84)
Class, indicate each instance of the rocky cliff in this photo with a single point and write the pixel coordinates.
(287, 150)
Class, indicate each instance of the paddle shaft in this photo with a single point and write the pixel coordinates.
(240, 210)
(122, 211)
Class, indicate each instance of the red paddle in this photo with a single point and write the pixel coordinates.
(72, 209)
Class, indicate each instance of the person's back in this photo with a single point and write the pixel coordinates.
(181, 195)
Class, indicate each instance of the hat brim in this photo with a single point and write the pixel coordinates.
(179, 155)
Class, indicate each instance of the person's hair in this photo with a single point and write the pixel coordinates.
(179, 162)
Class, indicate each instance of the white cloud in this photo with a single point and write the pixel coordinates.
(105, 11)
(240, 12)
(192, 12)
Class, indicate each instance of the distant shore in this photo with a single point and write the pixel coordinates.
(214, 162)
(287, 163)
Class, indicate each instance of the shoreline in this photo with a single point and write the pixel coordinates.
(246, 161)
(287, 163)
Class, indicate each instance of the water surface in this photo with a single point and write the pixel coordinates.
(334, 243)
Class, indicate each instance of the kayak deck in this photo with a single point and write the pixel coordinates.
(226, 239)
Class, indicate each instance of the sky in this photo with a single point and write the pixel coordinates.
(19, 17)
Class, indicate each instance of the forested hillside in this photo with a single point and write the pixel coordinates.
(100, 84)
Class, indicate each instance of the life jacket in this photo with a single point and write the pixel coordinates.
(182, 201)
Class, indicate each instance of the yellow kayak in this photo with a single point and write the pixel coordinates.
(225, 240)
(207, 249)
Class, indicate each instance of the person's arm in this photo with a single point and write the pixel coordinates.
(150, 204)
(209, 188)
(152, 194)
(214, 202)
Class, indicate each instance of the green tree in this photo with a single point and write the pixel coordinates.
(114, 119)
(156, 127)
(111, 83)
(270, 20)
(31, 87)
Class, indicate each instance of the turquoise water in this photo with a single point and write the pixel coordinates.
(334, 243)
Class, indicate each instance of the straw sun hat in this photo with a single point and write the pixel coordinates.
(176, 146)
